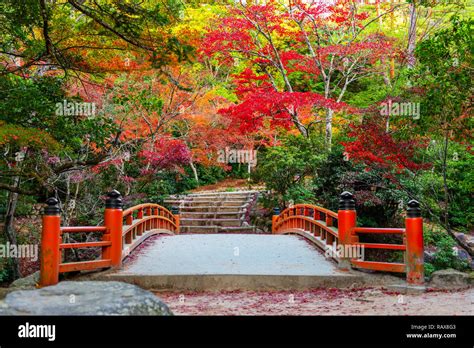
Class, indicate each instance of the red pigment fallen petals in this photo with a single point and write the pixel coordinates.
(317, 302)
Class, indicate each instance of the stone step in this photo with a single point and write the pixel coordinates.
(212, 203)
(201, 198)
(204, 202)
(210, 215)
(239, 197)
(217, 199)
(219, 193)
(207, 209)
(211, 222)
(213, 212)
(216, 229)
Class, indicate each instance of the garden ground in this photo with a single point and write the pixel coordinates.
(366, 301)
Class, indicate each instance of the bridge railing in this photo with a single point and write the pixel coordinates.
(122, 232)
(337, 232)
(143, 220)
(321, 223)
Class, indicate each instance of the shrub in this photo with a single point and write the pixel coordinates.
(444, 257)
(285, 168)
(377, 198)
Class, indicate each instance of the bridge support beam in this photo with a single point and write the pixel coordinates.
(414, 244)
(50, 240)
(113, 220)
(346, 217)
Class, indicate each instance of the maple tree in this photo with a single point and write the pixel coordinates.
(287, 48)
(376, 148)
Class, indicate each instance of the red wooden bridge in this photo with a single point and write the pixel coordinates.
(124, 230)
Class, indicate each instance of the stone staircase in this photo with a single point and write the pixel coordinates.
(215, 211)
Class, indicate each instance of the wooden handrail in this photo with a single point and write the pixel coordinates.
(148, 218)
(144, 205)
(157, 219)
(84, 245)
(296, 219)
(82, 229)
(378, 230)
(311, 206)
(333, 231)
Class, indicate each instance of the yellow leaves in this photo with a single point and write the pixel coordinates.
(27, 137)
(196, 20)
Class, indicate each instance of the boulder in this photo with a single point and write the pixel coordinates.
(429, 256)
(466, 239)
(84, 298)
(462, 255)
(449, 278)
(26, 282)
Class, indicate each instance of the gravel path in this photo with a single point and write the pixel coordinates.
(368, 301)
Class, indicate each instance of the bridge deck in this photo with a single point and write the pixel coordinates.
(231, 261)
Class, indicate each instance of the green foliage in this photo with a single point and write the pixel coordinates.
(208, 174)
(21, 137)
(445, 74)
(88, 25)
(284, 168)
(367, 91)
(377, 198)
(444, 256)
(27, 109)
(460, 183)
(4, 272)
(168, 182)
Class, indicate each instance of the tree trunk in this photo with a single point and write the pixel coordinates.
(329, 115)
(411, 37)
(191, 164)
(9, 229)
(445, 183)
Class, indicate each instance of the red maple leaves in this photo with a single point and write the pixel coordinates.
(284, 49)
(166, 153)
(266, 107)
(376, 148)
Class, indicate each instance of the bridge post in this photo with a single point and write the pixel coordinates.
(346, 220)
(50, 240)
(175, 212)
(276, 213)
(414, 244)
(113, 220)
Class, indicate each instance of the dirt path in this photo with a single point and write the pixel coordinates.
(369, 301)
